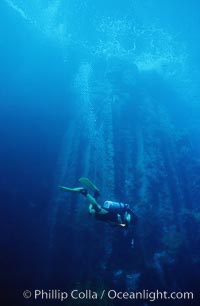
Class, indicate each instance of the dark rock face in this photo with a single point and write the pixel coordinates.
(133, 140)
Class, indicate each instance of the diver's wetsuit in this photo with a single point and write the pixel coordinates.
(116, 211)
(110, 216)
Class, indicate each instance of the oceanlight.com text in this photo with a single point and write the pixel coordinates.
(146, 295)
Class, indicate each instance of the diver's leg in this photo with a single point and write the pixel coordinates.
(81, 190)
(96, 194)
(89, 184)
(85, 193)
(92, 201)
(94, 206)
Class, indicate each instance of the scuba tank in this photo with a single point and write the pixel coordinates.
(115, 207)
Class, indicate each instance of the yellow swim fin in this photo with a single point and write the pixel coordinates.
(88, 183)
(78, 189)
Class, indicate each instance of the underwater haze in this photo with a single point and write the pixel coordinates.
(107, 90)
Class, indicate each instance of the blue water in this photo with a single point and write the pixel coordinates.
(108, 90)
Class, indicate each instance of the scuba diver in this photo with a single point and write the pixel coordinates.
(114, 213)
